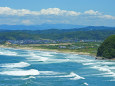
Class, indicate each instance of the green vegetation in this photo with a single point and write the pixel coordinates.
(17, 35)
(107, 48)
(55, 34)
(85, 47)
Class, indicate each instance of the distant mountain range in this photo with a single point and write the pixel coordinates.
(55, 32)
(90, 28)
(58, 34)
(55, 26)
(39, 27)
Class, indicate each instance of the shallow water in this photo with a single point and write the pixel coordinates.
(43, 68)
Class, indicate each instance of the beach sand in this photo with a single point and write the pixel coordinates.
(59, 51)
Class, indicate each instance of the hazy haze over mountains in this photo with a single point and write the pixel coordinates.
(39, 27)
(54, 26)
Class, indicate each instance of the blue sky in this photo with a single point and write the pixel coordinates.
(80, 12)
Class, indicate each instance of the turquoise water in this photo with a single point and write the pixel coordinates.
(43, 68)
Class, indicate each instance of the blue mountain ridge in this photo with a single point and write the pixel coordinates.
(39, 27)
(54, 26)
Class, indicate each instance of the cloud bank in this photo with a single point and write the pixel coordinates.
(54, 15)
(49, 11)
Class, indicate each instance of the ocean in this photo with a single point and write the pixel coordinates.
(43, 68)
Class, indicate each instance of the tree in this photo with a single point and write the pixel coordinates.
(107, 48)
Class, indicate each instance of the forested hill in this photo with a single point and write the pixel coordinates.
(107, 48)
(55, 34)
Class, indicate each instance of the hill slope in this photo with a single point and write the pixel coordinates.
(107, 48)
(55, 34)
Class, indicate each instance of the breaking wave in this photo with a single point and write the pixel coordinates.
(8, 53)
(71, 76)
(75, 76)
(38, 58)
(20, 72)
(85, 84)
(30, 77)
(15, 65)
(49, 73)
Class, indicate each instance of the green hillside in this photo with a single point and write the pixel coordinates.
(55, 34)
(107, 48)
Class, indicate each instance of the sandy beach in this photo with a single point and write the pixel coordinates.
(59, 51)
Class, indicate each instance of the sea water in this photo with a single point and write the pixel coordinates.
(43, 68)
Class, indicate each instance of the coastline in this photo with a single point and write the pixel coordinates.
(58, 51)
(53, 50)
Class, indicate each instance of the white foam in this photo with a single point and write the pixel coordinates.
(106, 69)
(103, 68)
(112, 68)
(13, 65)
(49, 73)
(20, 72)
(47, 59)
(83, 60)
(8, 53)
(35, 54)
(30, 77)
(85, 84)
(71, 76)
(88, 63)
(75, 76)
(37, 58)
(57, 60)
(32, 54)
(46, 54)
(109, 74)
(106, 63)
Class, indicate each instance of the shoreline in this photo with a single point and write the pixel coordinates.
(58, 51)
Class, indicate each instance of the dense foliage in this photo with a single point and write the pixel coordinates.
(55, 34)
(107, 48)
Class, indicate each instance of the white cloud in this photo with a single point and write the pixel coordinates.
(53, 15)
(107, 17)
(19, 12)
(49, 11)
(98, 14)
(57, 11)
(92, 12)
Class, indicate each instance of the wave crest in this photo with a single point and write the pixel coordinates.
(13, 65)
(21, 72)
